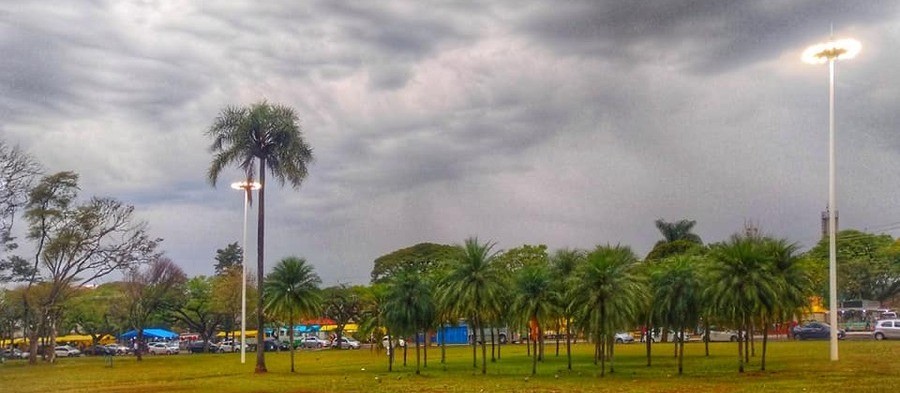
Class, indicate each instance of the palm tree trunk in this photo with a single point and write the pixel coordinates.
(418, 353)
(444, 345)
(764, 343)
(483, 349)
(569, 342)
(291, 336)
(261, 270)
(752, 343)
(740, 343)
(557, 336)
(747, 343)
(404, 353)
(427, 342)
(534, 358)
(493, 352)
(612, 348)
(706, 335)
(474, 342)
(681, 353)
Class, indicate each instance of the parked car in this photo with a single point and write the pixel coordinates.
(815, 330)
(160, 348)
(200, 347)
(672, 337)
(119, 349)
(313, 342)
(717, 334)
(624, 338)
(99, 350)
(229, 346)
(271, 344)
(887, 328)
(13, 353)
(345, 343)
(66, 351)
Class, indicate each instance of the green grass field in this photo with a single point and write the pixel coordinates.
(865, 366)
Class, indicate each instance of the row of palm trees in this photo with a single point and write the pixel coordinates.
(746, 283)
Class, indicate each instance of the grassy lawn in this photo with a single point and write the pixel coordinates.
(865, 366)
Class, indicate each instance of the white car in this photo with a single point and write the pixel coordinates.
(161, 349)
(66, 351)
(624, 338)
(721, 335)
(346, 343)
(888, 328)
(313, 342)
(119, 349)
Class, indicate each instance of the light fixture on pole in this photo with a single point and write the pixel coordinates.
(829, 52)
(246, 187)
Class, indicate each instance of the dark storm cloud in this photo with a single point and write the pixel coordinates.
(702, 36)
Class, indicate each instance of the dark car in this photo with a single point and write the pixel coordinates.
(199, 346)
(815, 330)
(99, 350)
(272, 344)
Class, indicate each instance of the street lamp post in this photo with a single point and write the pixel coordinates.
(829, 52)
(245, 186)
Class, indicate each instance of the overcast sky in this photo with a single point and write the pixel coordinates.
(570, 123)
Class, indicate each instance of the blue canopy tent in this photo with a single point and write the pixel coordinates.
(150, 333)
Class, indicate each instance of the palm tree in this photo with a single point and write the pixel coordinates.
(292, 288)
(268, 137)
(742, 283)
(564, 263)
(677, 288)
(534, 300)
(793, 284)
(472, 286)
(409, 306)
(678, 230)
(608, 293)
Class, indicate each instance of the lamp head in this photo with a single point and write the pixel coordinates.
(821, 53)
(242, 185)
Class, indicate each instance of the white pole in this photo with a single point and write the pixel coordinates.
(244, 281)
(832, 209)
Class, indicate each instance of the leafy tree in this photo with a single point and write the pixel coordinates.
(472, 286)
(153, 291)
(90, 311)
(18, 171)
(527, 255)
(409, 306)
(229, 257)
(866, 269)
(267, 137)
(421, 257)
(197, 310)
(342, 304)
(77, 244)
(535, 298)
(608, 293)
(292, 288)
(227, 298)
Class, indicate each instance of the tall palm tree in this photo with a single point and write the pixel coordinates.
(677, 288)
(267, 137)
(608, 293)
(678, 230)
(793, 285)
(472, 286)
(292, 288)
(409, 307)
(534, 300)
(743, 283)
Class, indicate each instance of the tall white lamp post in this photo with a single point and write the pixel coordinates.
(246, 187)
(829, 52)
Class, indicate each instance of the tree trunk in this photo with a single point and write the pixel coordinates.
(681, 353)
(764, 343)
(483, 349)
(291, 336)
(569, 342)
(740, 343)
(558, 327)
(648, 337)
(752, 342)
(427, 342)
(404, 353)
(474, 342)
(139, 343)
(261, 270)
(493, 343)
(534, 358)
(612, 354)
(418, 354)
(52, 331)
(444, 346)
(747, 344)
